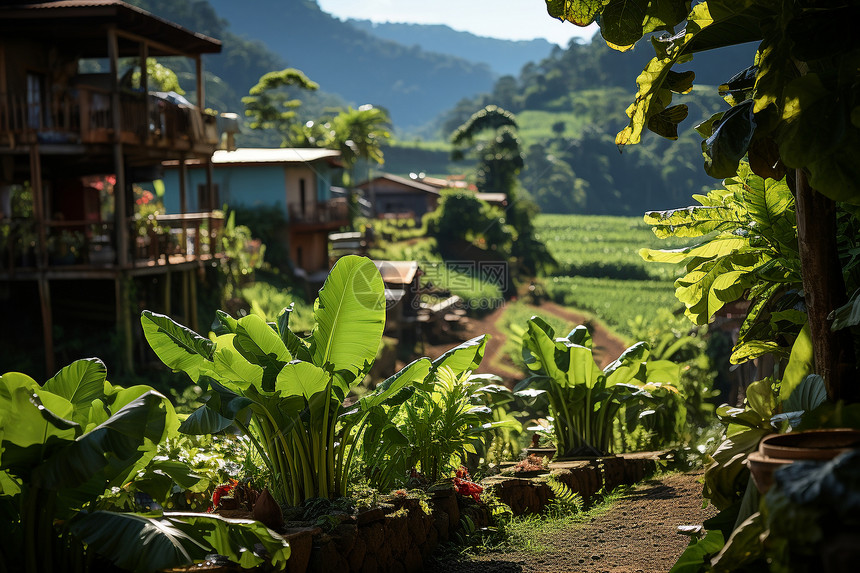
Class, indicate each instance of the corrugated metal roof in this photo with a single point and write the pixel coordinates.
(276, 155)
(56, 18)
(401, 181)
(397, 272)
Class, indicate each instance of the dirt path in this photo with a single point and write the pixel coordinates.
(607, 346)
(638, 534)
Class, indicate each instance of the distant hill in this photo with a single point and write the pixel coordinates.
(413, 84)
(505, 57)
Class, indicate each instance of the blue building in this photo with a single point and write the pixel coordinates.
(297, 181)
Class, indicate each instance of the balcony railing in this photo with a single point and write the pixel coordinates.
(83, 115)
(162, 240)
(333, 211)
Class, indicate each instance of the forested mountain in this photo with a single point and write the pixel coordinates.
(503, 56)
(412, 84)
(570, 106)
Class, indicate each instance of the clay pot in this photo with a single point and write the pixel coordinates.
(777, 450)
(267, 511)
(541, 452)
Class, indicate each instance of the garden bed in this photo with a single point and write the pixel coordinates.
(400, 536)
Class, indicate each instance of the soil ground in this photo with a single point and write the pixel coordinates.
(637, 534)
(607, 346)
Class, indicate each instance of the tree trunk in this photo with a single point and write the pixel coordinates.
(824, 290)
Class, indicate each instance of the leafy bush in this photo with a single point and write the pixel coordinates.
(583, 400)
(65, 444)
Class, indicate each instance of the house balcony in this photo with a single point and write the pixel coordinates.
(86, 249)
(323, 215)
(83, 115)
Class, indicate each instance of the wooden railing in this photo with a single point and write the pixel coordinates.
(166, 239)
(331, 211)
(83, 115)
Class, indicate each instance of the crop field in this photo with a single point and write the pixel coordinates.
(600, 270)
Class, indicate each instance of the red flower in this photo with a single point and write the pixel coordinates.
(464, 485)
(223, 489)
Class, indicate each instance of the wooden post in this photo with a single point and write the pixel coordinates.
(824, 290)
(192, 309)
(210, 193)
(123, 323)
(47, 325)
(183, 200)
(4, 91)
(201, 88)
(166, 297)
(121, 202)
(38, 206)
(144, 87)
(186, 295)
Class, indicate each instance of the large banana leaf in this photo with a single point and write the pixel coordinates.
(465, 356)
(142, 543)
(80, 383)
(259, 344)
(179, 347)
(349, 315)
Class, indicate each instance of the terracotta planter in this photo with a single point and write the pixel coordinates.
(777, 450)
(541, 452)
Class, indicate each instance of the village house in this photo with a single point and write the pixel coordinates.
(80, 128)
(298, 182)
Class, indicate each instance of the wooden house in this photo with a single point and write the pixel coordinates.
(80, 125)
(393, 196)
(298, 182)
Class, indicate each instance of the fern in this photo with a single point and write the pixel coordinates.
(565, 500)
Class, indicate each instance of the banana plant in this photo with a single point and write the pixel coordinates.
(583, 399)
(65, 443)
(286, 392)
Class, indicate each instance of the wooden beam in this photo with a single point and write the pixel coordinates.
(183, 199)
(47, 325)
(38, 205)
(201, 83)
(4, 89)
(192, 311)
(166, 295)
(144, 86)
(121, 201)
(123, 323)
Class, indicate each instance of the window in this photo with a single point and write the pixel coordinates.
(35, 100)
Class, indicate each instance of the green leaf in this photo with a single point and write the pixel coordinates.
(302, 379)
(665, 123)
(813, 122)
(412, 373)
(800, 363)
(112, 447)
(694, 221)
(81, 382)
(621, 22)
(806, 396)
(743, 547)
(143, 544)
(465, 356)
(297, 347)
(581, 13)
(259, 344)
(350, 316)
(697, 556)
(729, 142)
(180, 348)
(848, 314)
(230, 364)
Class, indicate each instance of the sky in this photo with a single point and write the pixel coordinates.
(505, 19)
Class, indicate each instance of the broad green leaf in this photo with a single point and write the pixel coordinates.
(579, 12)
(180, 348)
(230, 364)
(539, 344)
(719, 246)
(806, 396)
(81, 382)
(627, 366)
(297, 347)
(697, 556)
(412, 373)
(302, 379)
(761, 399)
(621, 22)
(465, 356)
(728, 475)
(259, 344)
(20, 419)
(112, 446)
(144, 544)
(224, 323)
(665, 123)
(743, 547)
(729, 142)
(694, 221)
(847, 314)
(755, 348)
(800, 364)
(350, 316)
(813, 122)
